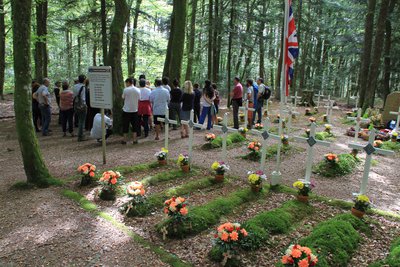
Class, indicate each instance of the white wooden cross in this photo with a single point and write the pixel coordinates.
(358, 120)
(290, 111)
(319, 98)
(329, 109)
(356, 97)
(276, 175)
(265, 134)
(396, 129)
(295, 97)
(190, 123)
(310, 150)
(245, 109)
(167, 122)
(225, 130)
(369, 149)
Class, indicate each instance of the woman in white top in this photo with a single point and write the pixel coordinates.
(208, 104)
(144, 109)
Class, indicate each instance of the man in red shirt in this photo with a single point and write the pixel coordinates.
(237, 97)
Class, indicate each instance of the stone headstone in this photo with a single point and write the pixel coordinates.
(392, 104)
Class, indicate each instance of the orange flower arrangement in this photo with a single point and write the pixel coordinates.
(210, 137)
(331, 158)
(298, 256)
(254, 147)
(111, 179)
(176, 207)
(135, 189)
(312, 119)
(230, 232)
(87, 169)
(378, 143)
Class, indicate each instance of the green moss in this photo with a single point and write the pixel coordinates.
(217, 142)
(389, 145)
(393, 259)
(137, 168)
(22, 185)
(231, 139)
(324, 136)
(357, 224)
(236, 138)
(271, 152)
(335, 239)
(346, 165)
(202, 217)
(85, 204)
(167, 176)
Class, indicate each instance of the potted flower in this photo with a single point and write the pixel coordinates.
(210, 137)
(177, 211)
(378, 143)
(227, 239)
(183, 162)
(328, 128)
(109, 181)
(220, 168)
(241, 116)
(308, 112)
(136, 194)
(308, 132)
(361, 205)
(331, 158)
(299, 256)
(88, 171)
(394, 136)
(243, 131)
(312, 119)
(285, 140)
(304, 188)
(259, 126)
(162, 156)
(316, 109)
(255, 180)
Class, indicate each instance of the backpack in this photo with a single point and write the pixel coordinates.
(79, 104)
(267, 93)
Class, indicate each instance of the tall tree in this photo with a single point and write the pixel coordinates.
(387, 51)
(192, 36)
(35, 168)
(376, 58)
(366, 55)
(41, 40)
(2, 49)
(176, 43)
(103, 15)
(133, 52)
(114, 59)
(229, 56)
(210, 40)
(261, 71)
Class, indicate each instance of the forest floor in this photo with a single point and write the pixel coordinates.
(41, 227)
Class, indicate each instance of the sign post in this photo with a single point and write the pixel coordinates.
(101, 96)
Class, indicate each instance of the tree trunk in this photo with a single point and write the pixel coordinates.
(40, 45)
(114, 59)
(376, 58)
(35, 168)
(189, 67)
(79, 55)
(2, 49)
(134, 36)
(217, 28)
(177, 40)
(68, 38)
(103, 15)
(229, 59)
(261, 44)
(388, 47)
(366, 56)
(279, 70)
(128, 46)
(210, 40)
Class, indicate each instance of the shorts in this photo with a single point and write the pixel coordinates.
(131, 118)
(155, 117)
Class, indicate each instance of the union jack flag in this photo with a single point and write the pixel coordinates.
(292, 48)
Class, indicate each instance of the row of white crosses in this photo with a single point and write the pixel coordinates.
(290, 112)
(167, 122)
(329, 108)
(225, 130)
(295, 97)
(246, 110)
(358, 120)
(356, 97)
(319, 98)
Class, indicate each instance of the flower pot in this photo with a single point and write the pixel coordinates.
(219, 178)
(185, 168)
(256, 188)
(86, 180)
(325, 119)
(354, 152)
(285, 143)
(107, 194)
(357, 213)
(162, 161)
(394, 140)
(243, 134)
(241, 119)
(302, 198)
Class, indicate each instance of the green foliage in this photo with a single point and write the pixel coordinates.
(85, 204)
(166, 176)
(202, 217)
(346, 165)
(357, 224)
(22, 185)
(324, 136)
(335, 239)
(271, 152)
(389, 145)
(231, 139)
(124, 170)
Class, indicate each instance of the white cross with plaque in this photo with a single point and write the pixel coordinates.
(167, 122)
(356, 97)
(396, 129)
(246, 110)
(319, 98)
(358, 120)
(311, 141)
(329, 109)
(295, 97)
(190, 123)
(265, 134)
(290, 112)
(369, 149)
(225, 130)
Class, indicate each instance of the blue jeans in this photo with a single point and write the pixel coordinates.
(260, 104)
(81, 123)
(206, 111)
(46, 118)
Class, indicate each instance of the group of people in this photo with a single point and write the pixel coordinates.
(143, 106)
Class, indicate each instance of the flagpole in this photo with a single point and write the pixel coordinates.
(277, 175)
